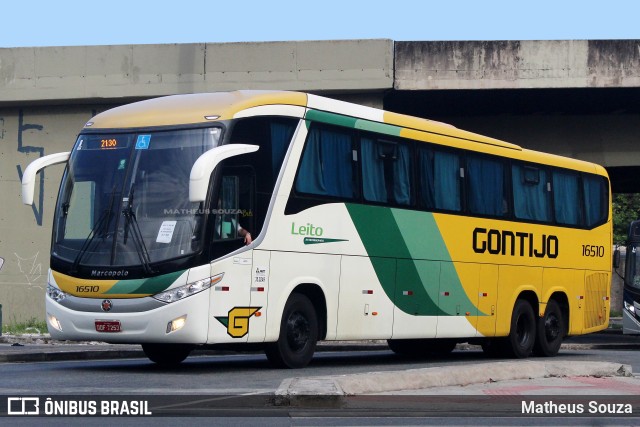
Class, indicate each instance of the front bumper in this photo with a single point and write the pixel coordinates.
(630, 325)
(136, 327)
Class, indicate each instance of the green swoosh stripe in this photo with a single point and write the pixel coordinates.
(422, 260)
(152, 285)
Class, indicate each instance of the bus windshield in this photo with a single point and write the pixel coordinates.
(633, 270)
(124, 198)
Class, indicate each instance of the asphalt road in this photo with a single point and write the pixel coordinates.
(232, 374)
(250, 374)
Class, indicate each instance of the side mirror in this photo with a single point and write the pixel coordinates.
(207, 162)
(1, 263)
(29, 175)
(616, 258)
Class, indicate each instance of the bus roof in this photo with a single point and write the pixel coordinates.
(198, 108)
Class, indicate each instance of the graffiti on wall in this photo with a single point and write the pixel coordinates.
(31, 269)
(22, 148)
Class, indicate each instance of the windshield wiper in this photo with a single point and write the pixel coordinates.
(102, 223)
(136, 235)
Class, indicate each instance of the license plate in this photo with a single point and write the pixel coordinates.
(108, 326)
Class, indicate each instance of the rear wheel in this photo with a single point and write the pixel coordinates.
(523, 330)
(298, 334)
(167, 354)
(402, 347)
(551, 331)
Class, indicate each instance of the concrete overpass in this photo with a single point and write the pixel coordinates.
(577, 98)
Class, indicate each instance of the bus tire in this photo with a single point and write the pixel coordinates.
(403, 347)
(522, 335)
(298, 334)
(550, 332)
(167, 355)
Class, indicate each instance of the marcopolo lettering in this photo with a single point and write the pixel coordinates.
(504, 242)
(109, 273)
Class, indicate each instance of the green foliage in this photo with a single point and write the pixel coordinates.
(626, 208)
(31, 326)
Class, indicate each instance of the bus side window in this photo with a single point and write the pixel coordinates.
(234, 207)
(386, 171)
(486, 193)
(595, 199)
(531, 195)
(439, 180)
(566, 198)
(226, 224)
(326, 168)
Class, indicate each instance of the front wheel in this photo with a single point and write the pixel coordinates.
(298, 334)
(551, 331)
(167, 355)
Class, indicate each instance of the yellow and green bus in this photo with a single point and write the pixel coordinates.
(279, 219)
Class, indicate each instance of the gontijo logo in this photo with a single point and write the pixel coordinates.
(237, 321)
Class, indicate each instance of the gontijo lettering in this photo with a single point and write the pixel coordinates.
(504, 242)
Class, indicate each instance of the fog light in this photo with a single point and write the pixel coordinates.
(176, 324)
(54, 322)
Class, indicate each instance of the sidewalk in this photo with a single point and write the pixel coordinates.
(511, 378)
(534, 376)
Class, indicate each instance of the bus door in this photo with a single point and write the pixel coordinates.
(232, 218)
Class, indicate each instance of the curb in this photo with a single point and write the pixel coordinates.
(299, 391)
(19, 349)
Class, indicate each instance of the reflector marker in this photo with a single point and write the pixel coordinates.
(484, 294)
(445, 294)
(222, 288)
(367, 292)
(257, 289)
(408, 293)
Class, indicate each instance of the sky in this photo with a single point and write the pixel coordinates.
(117, 22)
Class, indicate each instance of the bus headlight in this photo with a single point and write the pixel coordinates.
(630, 307)
(55, 294)
(176, 294)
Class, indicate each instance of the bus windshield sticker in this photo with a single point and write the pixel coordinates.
(143, 142)
(165, 234)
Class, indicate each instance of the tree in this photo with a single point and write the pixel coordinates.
(626, 208)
